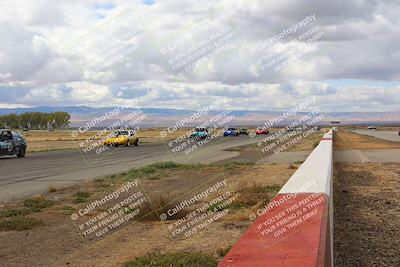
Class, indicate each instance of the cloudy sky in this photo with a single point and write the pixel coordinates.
(185, 54)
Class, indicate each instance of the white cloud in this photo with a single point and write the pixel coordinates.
(47, 48)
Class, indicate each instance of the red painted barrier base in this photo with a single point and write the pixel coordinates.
(291, 231)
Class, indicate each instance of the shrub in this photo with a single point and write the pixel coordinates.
(14, 212)
(292, 166)
(52, 189)
(221, 252)
(81, 197)
(159, 204)
(150, 170)
(253, 195)
(316, 143)
(67, 210)
(19, 223)
(36, 204)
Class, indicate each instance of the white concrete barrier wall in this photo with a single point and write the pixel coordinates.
(308, 244)
(315, 174)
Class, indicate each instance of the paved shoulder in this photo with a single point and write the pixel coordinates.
(386, 135)
(383, 155)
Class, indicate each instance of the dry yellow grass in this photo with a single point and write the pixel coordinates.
(140, 238)
(345, 140)
(309, 142)
(41, 140)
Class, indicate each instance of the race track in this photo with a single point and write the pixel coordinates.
(37, 171)
(386, 135)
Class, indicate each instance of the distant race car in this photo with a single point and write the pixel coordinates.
(244, 131)
(199, 133)
(231, 132)
(122, 138)
(12, 143)
(297, 129)
(262, 131)
(371, 128)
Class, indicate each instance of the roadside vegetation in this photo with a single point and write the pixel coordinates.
(180, 259)
(17, 219)
(161, 169)
(164, 185)
(81, 197)
(19, 223)
(254, 196)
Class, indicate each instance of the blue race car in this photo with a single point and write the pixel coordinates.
(231, 132)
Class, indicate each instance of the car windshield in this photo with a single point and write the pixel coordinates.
(122, 133)
(200, 129)
(6, 135)
(17, 134)
(231, 129)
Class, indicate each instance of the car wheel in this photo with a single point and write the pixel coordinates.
(136, 142)
(21, 153)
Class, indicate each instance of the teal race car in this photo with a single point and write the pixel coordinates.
(199, 133)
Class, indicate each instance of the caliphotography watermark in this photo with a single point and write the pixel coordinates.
(110, 212)
(279, 53)
(277, 219)
(292, 217)
(274, 204)
(201, 42)
(301, 124)
(200, 210)
(112, 42)
(109, 131)
(211, 123)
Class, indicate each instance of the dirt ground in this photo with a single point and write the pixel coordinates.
(57, 242)
(366, 206)
(367, 214)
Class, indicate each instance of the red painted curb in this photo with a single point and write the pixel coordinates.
(294, 232)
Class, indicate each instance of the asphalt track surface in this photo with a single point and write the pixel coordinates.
(34, 174)
(386, 135)
(363, 156)
(377, 155)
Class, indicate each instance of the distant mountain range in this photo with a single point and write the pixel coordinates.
(163, 117)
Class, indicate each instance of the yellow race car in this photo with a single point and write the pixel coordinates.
(122, 138)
